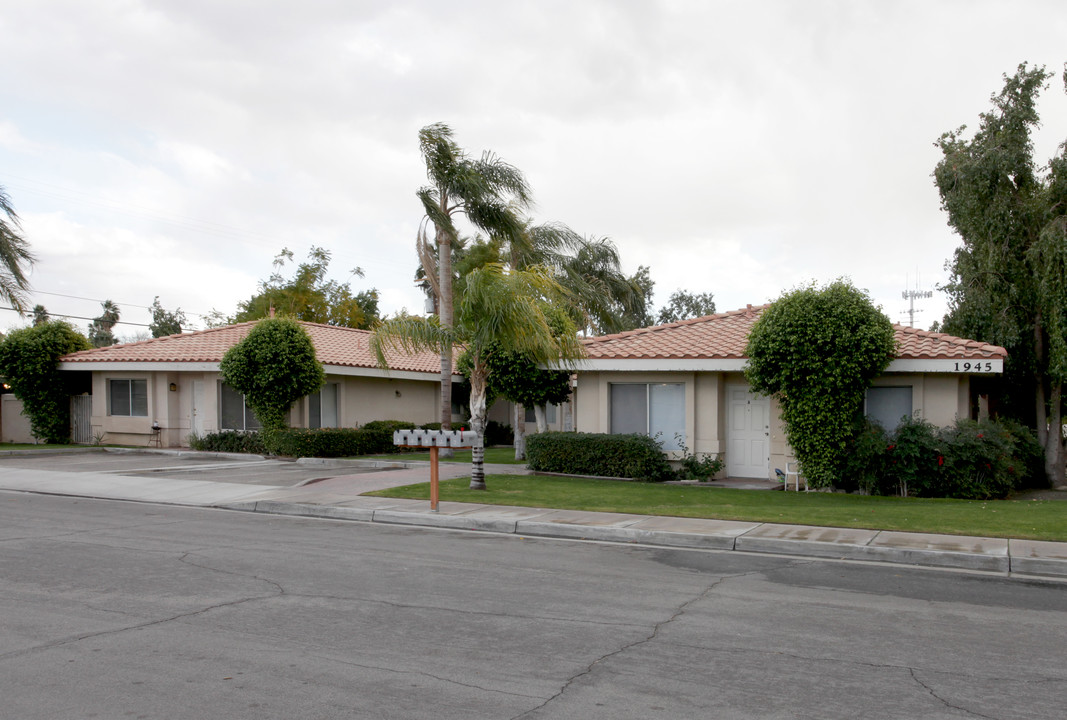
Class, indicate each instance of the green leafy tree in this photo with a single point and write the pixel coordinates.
(640, 316)
(15, 256)
(488, 192)
(29, 362)
(497, 309)
(273, 367)
(165, 322)
(309, 296)
(684, 305)
(1009, 276)
(816, 350)
(101, 328)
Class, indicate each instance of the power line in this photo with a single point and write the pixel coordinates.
(77, 317)
(126, 304)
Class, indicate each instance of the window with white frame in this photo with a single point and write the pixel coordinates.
(127, 398)
(234, 414)
(653, 409)
(888, 406)
(322, 407)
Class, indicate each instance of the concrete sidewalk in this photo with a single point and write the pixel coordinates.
(341, 498)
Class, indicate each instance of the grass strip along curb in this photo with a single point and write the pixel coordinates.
(1021, 519)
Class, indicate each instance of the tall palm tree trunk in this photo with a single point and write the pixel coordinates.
(478, 411)
(444, 313)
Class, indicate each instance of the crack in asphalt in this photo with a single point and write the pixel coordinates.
(945, 702)
(279, 591)
(233, 573)
(425, 674)
(118, 631)
(679, 611)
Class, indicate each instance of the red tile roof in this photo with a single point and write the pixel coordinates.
(725, 335)
(339, 346)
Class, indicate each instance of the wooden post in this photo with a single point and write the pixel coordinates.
(434, 491)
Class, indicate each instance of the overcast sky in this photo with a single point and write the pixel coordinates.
(173, 148)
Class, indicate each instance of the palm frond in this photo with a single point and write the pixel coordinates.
(409, 334)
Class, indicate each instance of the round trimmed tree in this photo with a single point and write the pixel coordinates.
(273, 367)
(29, 362)
(816, 351)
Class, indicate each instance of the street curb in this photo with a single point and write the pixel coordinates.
(1003, 564)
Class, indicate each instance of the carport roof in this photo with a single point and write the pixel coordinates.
(725, 336)
(337, 346)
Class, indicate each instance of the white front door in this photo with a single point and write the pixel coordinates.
(748, 433)
(196, 424)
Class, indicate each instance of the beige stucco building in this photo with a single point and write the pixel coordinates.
(684, 382)
(174, 383)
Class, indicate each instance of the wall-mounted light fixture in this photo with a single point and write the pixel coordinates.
(174, 387)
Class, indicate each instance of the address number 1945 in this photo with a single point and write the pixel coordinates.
(974, 366)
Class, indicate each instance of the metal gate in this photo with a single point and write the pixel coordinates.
(81, 415)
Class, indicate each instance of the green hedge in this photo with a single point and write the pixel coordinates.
(374, 438)
(229, 441)
(332, 442)
(970, 460)
(628, 456)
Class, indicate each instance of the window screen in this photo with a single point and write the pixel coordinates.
(233, 414)
(887, 406)
(322, 407)
(657, 410)
(128, 398)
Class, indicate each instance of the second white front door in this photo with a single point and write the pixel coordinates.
(748, 433)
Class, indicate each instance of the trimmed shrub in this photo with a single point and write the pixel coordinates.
(228, 441)
(1028, 451)
(912, 459)
(816, 350)
(29, 362)
(273, 367)
(628, 456)
(390, 426)
(969, 460)
(864, 466)
(374, 438)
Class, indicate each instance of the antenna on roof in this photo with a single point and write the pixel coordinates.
(912, 295)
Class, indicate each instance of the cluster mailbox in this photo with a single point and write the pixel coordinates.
(435, 438)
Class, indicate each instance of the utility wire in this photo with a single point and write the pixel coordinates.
(77, 317)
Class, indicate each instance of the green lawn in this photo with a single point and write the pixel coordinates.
(1025, 519)
(502, 455)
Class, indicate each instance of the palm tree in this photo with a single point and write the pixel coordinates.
(14, 254)
(40, 315)
(481, 191)
(497, 308)
(100, 328)
(603, 296)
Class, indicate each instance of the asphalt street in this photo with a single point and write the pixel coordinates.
(114, 609)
